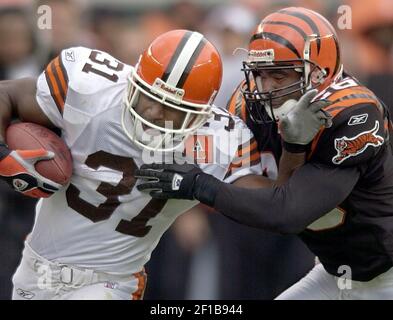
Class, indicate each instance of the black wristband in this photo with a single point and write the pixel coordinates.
(295, 148)
(205, 188)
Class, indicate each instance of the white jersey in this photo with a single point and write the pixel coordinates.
(100, 220)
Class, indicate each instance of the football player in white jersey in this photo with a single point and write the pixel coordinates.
(92, 238)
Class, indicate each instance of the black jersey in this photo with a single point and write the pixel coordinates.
(354, 156)
(359, 231)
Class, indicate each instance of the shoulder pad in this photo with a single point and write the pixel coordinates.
(236, 104)
(346, 94)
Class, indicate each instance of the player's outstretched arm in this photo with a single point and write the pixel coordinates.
(289, 162)
(311, 192)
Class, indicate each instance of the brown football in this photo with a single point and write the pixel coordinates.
(29, 136)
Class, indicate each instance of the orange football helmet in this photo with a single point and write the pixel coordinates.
(181, 70)
(292, 38)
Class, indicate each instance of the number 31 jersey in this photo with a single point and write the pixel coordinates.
(100, 220)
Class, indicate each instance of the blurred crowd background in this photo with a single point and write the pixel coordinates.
(203, 255)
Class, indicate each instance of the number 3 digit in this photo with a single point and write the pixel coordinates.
(138, 225)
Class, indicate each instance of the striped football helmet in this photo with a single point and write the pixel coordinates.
(292, 38)
(181, 70)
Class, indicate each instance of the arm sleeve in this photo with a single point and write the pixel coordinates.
(49, 99)
(245, 158)
(236, 104)
(356, 136)
(311, 192)
(53, 84)
(62, 78)
(245, 162)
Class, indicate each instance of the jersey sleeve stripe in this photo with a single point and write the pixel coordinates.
(53, 89)
(247, 147)
(246, 152)
(344, 92)
(231, 107)
(238, 109)
(238, 161)
(249, 162)
(243, 111)
(236, 104)
(56, 77)
(336, 95)
(339, 106)
(245, 161)
(353, 97)
(62, 72)
(252, 143)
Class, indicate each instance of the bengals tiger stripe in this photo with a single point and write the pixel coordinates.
(247, 155)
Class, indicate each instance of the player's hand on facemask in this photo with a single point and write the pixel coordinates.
(17, 169)
(299, 127)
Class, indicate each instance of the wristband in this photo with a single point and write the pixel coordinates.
(295, 148)
(205, 188)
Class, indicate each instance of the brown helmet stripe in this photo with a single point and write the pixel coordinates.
(276, 38)
(191, 62)
(176, 54)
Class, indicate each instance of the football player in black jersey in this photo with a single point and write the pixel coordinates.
(340, 202)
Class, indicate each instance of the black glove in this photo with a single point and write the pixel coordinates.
(177, 181)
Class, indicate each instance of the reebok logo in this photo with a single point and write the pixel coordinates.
(19, 184)
(358, 119)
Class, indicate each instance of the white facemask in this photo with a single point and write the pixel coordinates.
(154, 137)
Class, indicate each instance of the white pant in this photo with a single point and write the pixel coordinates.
(39, 279)
(318, 284)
